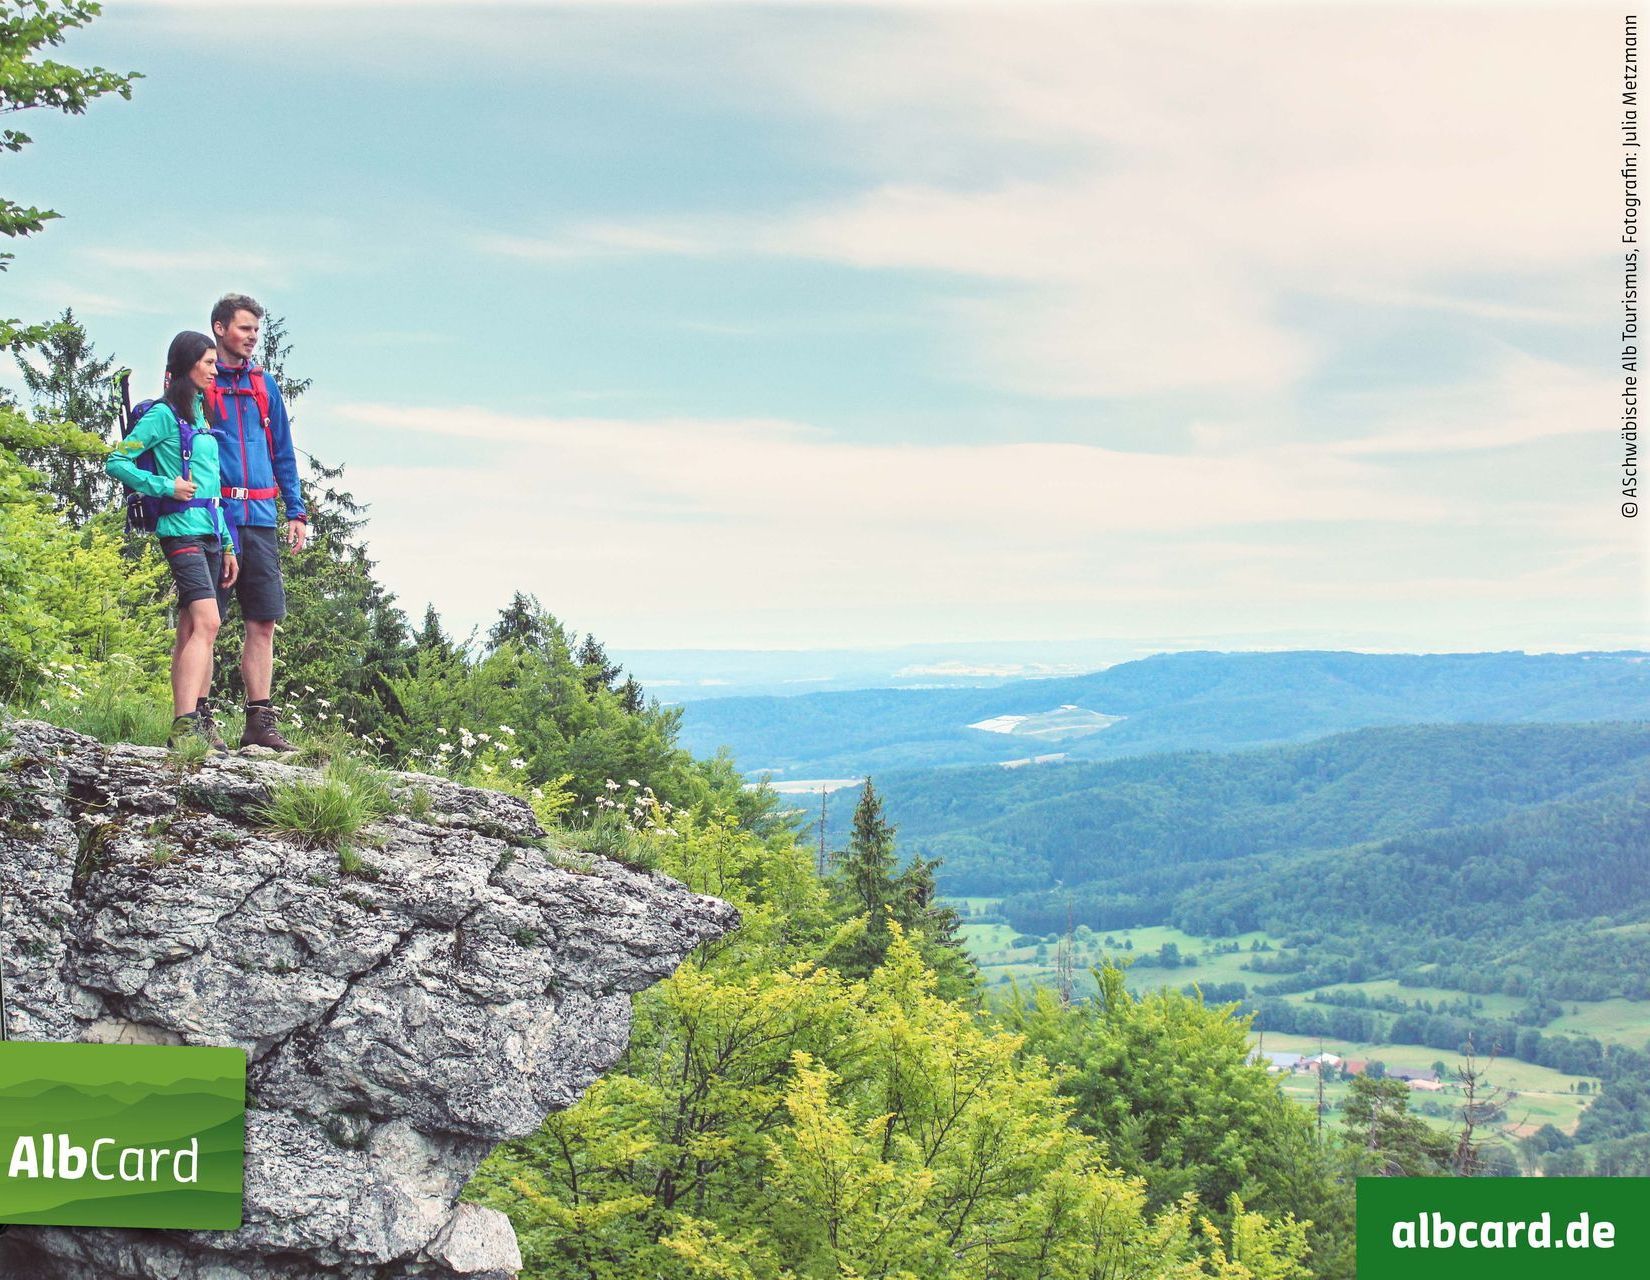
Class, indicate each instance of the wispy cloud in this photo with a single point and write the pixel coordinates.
(1526, 399)
(798, 485)
(1185, 210)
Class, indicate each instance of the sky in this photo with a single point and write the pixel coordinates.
(799, 326)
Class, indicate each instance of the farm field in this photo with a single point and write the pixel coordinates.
(1612, 1021)
(1499, 1006)
(1545, 1096)
(1624, 1022)
(1000, 962)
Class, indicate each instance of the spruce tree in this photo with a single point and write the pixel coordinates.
(68, 383)
(273, 351)
(866, 885)
(868, 868)
(432, 637)
(599, 671)
(524, 622)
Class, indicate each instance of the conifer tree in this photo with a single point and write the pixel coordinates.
(273, 349)
(344, 637)
(1395, 1143)
(432, 637)
(69, 383)
(868, 868)
(868, 887)
(599, 671)
(524, 622)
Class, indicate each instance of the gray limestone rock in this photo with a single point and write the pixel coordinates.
(398, 1025)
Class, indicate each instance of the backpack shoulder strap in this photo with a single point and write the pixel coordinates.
(186, 441)
(260, 395)
(260, 391)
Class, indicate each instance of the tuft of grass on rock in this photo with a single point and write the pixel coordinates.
(420, 804)
(351, 863)
(612, 838)
(188, 754)
(331, 809)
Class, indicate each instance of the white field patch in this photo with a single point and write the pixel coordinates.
(1060, 725)
(1000, 724)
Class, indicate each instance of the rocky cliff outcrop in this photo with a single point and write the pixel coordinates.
(399, 1023)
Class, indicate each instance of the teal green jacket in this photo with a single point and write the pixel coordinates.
(158, 430)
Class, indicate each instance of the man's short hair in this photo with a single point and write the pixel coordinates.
(230, 303)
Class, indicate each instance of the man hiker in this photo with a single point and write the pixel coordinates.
(245, 409)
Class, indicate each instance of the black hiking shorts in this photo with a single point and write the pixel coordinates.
(259, 588)
(197, 564)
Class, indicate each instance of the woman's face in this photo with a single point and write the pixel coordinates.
(205, 369)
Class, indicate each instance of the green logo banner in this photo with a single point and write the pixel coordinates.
(115, 1135)
(1508, 1228)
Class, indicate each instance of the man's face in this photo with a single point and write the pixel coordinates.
(238, 339)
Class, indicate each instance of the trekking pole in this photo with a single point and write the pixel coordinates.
(123, 381)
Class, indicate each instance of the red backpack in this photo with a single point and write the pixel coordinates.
(217, 407)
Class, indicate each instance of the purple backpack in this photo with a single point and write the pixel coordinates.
(142, 511)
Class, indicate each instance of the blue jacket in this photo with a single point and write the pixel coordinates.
(245, 460)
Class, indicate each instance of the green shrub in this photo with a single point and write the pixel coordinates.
(71, 596)
(331, 808)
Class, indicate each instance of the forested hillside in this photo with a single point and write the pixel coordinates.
(1546, 896)
(1144, 827)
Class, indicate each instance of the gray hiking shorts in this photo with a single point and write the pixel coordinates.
(259, 588)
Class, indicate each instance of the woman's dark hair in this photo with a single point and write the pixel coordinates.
(182, 356)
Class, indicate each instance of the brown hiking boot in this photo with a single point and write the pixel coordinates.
(261, 731)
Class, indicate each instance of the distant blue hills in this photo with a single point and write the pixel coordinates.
(1172, 702)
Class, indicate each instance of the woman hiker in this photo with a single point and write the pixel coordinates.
(191, 529)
